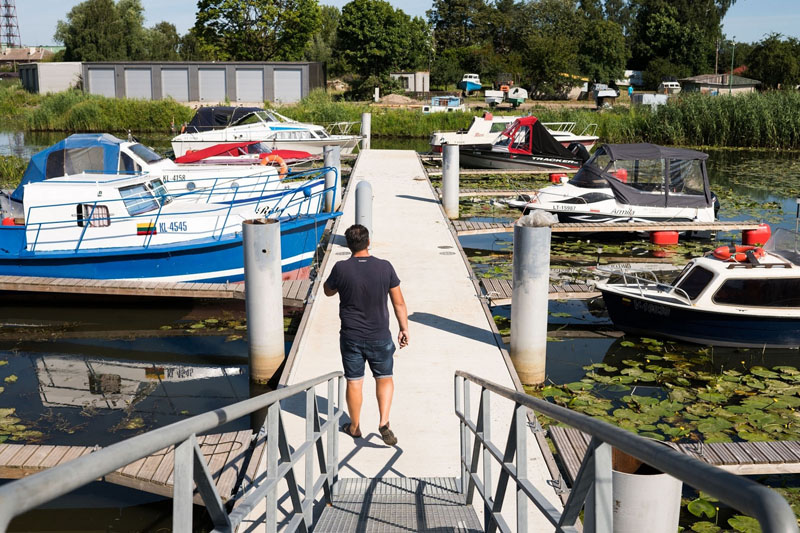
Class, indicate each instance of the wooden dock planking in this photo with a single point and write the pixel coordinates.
(743, 458)
(295, 292)
(464, 228)
(499, 291)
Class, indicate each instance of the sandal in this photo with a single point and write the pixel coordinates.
(346, 429)
(387, 435)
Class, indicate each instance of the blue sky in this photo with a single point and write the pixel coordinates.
(747, 20)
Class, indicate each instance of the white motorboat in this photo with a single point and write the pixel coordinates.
(215, 125)
(487, 129)
(631, 183)
(742, 297)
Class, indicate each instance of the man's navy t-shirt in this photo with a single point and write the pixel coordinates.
(363, 284)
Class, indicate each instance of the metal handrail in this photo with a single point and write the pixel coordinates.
(28, 493)
(772, 512)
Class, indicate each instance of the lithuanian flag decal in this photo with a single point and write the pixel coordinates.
(147, 228)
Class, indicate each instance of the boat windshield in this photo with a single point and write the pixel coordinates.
(145, 153)
(695, 281)
(256, 118)
(138, 199)
(785, 243)
(157, 186)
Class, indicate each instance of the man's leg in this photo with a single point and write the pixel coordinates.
(354, 400)
(384, 389)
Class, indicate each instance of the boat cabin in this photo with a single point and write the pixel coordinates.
(527, 136)
(648, 175)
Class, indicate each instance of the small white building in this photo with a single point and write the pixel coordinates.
(414, 82)
(50, 77)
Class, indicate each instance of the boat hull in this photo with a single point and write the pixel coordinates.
(645, 317)
(468, 86)
(207, 260)
(477, 158)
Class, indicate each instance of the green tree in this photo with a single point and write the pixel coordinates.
(602, 53)
(375, 39)
(255, 30)
(774, 62)
(94, 31)
(163, 41)
(458, 23)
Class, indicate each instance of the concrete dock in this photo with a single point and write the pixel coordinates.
(449, 330)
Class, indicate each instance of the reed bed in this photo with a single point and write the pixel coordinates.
(11, 170)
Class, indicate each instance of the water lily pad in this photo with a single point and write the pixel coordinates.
(651, 435)
(705, 527)
(165, 327)
(713, 397)
(763, 372)
(754, 436)
(627, 344)
(553, 392)
(631, 362)
(710, 438)
(713, 425)
(211, 321)
(579, 386)
(700, 507)
(744, 524)
(10, 379)
(198, 325)
(790, 370)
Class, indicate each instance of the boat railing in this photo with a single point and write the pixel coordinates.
(340, 128)
(563, 127)
(302, 200)
(590, 130)
(647, 280)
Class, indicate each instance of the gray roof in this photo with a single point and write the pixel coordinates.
(721, 80)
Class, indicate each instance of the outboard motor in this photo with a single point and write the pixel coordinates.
(715, 200)
(579, 151)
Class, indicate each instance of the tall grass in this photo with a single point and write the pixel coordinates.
(768, 120)
(11, 170)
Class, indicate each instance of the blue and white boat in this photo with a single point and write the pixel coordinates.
(469, 83)
(751, 299)
(100, 226)
(214, 125)
(444, 104)
(104, 153)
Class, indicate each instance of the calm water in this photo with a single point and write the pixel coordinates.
(96, 372)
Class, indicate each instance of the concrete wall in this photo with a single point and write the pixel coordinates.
(312, 76)
(716, 89)
(50, 77)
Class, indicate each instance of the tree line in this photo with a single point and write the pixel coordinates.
(545, 45)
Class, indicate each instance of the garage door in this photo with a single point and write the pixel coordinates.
(249, 85)
(288, 85)
(212, 84)
(175, 84)
(138, 83)
(101, 81)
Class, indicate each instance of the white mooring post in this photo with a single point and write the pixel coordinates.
(529, 299)
(333, 159)
(263, 296)
(366, 130)
(450, 178)
(364, 206)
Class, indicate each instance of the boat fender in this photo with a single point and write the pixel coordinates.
(279, 160)
(739, 253)
(8, 221)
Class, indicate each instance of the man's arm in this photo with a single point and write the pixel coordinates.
(400, 312)
(328, 292)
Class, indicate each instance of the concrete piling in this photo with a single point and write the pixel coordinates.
(450, 177)
(263, 296)
(364, 206)
(529, 299)
(366, 130)
(332, 159)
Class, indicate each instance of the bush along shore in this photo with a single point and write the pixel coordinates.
(756, 120)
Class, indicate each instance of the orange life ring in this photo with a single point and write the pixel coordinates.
(278, 159)
(737, 253)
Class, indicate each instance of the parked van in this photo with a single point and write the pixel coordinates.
(669, 87)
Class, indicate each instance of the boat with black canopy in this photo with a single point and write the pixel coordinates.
(631, 183)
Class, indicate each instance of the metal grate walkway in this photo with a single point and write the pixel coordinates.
(389, 505)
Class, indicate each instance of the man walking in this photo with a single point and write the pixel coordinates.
(363, 283)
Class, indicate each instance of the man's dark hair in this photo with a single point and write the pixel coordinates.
(357, 238)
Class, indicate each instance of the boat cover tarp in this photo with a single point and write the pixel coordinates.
(211, 151)
(542, 142)
(93, 152)
(679, 163)
(214, 118)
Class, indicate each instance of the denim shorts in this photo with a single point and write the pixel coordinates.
(377, 353)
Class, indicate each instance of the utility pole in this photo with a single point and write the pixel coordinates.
(730, 76)
(9, 26)
(716, 60)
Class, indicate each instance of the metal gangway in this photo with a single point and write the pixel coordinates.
(319, 501)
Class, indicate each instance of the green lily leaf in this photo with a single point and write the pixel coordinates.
(700, 507)
(627, 344)
(705, 527)
(713, 397)
(744, 524)
(579, 386)
(763, 372)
